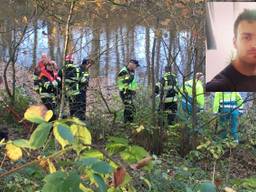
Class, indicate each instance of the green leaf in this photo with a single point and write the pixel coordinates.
(134, 153)
(100, 182)
(118, 140)
(81, 133)
(205, 187)
(138, 151)
(88, 161)
(35, 119)
(77, 121)
(62, 182)
(53, 182)
(115, 147)
(102, 167)
(72, 182)
(23, 143)
(40, 135)
(188, 189)
(93, 154)
(63, 134)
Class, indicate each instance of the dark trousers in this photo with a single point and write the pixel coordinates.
(169, 109)
(129, 108)
(77, 106)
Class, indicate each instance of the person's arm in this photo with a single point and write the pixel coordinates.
(216, 102)
(84, 78)
(200, 94)
(125, 77)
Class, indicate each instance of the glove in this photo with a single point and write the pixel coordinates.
(84, 80)
(55, 83)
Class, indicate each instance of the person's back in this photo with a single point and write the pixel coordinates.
(166, 89)
(72, 75)
(187, 94)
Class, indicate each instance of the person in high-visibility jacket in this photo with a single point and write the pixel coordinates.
(38, 69)
(127, 86)
(84, 83)
(72, 87)
(229, 105)
(166, 88)
(49, 86)
(187, 94)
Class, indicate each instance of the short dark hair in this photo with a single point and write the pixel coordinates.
(247, 15)
(134, 61)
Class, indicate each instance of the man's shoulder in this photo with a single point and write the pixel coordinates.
(222, 81)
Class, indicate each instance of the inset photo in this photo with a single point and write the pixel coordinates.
(231, 46)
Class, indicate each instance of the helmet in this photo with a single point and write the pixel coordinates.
(69, 57)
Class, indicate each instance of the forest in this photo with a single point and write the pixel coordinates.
(116, 134)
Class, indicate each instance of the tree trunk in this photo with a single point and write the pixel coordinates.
(122, 45)
(59, 51)
(147, 49)
(132, 46)
(67, 28)
(34, 56)
(127, 44)
(158, 57)
(157, 139)
(51, 39)
(95, 51)
(117, 53)
(107, 52)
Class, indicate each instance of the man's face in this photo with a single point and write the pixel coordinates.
(132, 66)
(50, 67)
(245, 42)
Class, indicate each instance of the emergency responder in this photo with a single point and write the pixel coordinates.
(167, 91)
(187, 94)
(127, 86)
(40, 67)
(229, 105)
(72, 87)
(49, 85)
(84, 83)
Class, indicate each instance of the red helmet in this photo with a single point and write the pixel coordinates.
(69, 57)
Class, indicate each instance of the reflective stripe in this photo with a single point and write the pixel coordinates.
(47, 84)
(46, 95)
(170, 99)
(72, 92)
(227, 106)
(70, 65)
(228, 102)
(168, 87)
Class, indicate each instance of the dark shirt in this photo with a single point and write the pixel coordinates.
(229, 79)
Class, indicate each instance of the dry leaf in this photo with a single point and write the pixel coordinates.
(141, 163)
(119, 176)
(228, 189)
(217, 182)
(43, 163)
